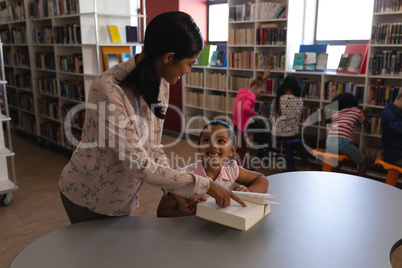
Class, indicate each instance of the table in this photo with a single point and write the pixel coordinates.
(323, 220)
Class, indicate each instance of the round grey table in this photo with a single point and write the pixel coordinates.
(323, 220)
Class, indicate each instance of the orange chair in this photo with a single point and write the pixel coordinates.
(327, 159)
(393, 171)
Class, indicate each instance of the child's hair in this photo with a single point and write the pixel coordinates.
(289, 83)
(219, 123)
(168, 32)
(257, 82)
(346, 100)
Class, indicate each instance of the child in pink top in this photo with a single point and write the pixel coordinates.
(242, 116)
(217, 146)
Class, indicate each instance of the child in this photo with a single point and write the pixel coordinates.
(285, 115)
(340, 135)
(243, 110)
(216, 145)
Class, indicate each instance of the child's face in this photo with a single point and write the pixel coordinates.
(258, 91)
(216, 146)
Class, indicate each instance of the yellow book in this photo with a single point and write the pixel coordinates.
(114, 33)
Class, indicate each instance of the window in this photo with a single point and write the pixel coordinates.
(218, 17)
(340, 22)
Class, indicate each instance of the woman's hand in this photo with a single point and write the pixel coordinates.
(241, 188)
(223, 195)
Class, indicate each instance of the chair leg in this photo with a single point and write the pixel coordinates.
(392, 177)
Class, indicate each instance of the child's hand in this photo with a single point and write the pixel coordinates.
(241, 188)
(267, 72)
(187, 205)
(365, 111)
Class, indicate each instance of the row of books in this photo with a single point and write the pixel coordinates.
(271, 34)
(72, 89)
(310, 61)
(334, 88)
(387, 5)
(45, 60)
(70, 63)
(75, 137)
(272, 10)
(238, 82)
(26, 122)
(195, 79)
(17, 35)
(49, 108)
(62, 7)
(389, 63)
(26, 102)
(242, 36)
(194, 98)
(387, 33)
(13, 12)
(373, 125)
(194, 123)
(310, 89)
(242, 60)
(273, 84)
(51, 131)
(272, 60)
(47, 85)
(251, 11)
(382, 95)
(19, 58)
(217, 80)
(216, 101)
(64, 34)
(20, 80)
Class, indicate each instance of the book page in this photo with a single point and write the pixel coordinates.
(258, 198)
(234, 208)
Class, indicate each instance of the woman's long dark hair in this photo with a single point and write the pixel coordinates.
(289, 83)
(168, 32)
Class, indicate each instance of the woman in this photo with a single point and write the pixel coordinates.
(120, 146)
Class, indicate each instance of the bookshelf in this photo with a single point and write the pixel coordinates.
(317, 84)
(59, 44)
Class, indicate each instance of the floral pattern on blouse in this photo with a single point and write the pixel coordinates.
(120, 149)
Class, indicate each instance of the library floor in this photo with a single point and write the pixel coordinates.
(37, 210)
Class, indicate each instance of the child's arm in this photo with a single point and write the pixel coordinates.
(168, 207)
(254, 181)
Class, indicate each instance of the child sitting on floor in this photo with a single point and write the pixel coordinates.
(340, 135)
(216, 145)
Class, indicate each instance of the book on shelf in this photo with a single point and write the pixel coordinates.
(322, 61)
(113, 50)
(131, 34)
(310, 59)
(206, 54)
(125, 57)
(235, 215)
(343, 62)
(112, 60)
(114, 33)
(298, 61)
(350, 50)
(354, 63)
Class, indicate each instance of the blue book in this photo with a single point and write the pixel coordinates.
(125, 57)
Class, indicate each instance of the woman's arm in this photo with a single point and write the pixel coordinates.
(254, 181)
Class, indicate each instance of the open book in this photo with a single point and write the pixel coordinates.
(235, 215)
